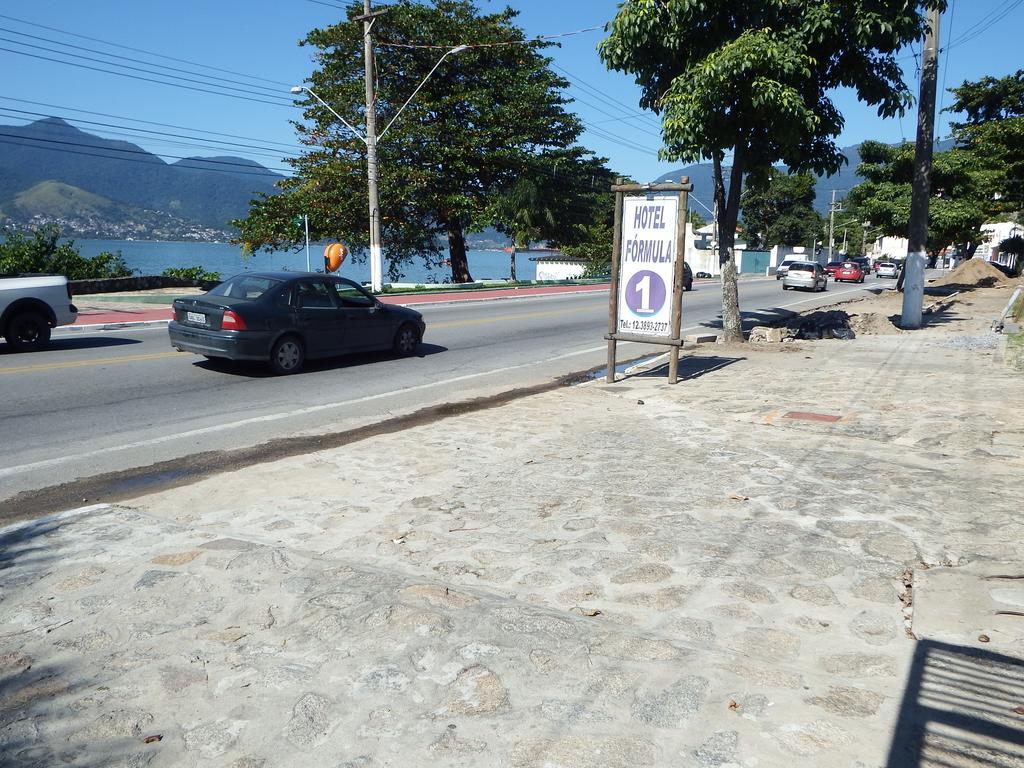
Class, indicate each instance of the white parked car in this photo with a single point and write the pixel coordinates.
(888, 269)
(30, 306)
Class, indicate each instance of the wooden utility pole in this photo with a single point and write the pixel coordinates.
(917, 235)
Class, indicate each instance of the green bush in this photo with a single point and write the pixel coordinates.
(42, 252)
(192, 273)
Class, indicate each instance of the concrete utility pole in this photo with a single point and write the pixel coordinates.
(372, 169)
(832, 224)
(917, 235)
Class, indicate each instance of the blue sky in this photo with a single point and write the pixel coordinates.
(253, 48)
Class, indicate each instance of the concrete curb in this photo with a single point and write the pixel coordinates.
(81, 328)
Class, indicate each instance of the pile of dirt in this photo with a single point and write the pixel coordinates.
(873, 324)
(975, 273)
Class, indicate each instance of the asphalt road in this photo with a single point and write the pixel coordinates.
(115, 400)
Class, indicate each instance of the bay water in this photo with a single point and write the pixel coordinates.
(150, 257)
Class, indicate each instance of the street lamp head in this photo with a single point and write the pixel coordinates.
(458, 49)
(296, 89)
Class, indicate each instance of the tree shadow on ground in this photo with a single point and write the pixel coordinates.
(961, 706)
(57, 706)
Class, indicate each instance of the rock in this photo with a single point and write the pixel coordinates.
(877, 589)
(118, 724)
(311, 721)
(643, 574)
(545, 661)
(476, 690)
(852, 702)
(633, 648)
(766, 335)
(770, 644)
(153, 578)
(857, 665)
(176, 558)
(746, 590)
(811, 739)
(673, 706)
(694, 630)
(384, 679)
(874, 628)
(438, 595)
(212, 740)
(585, 752)
(718, 749)
(449, 745)
(177, 679)
(816, 594)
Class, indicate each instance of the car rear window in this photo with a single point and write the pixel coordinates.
(798, 267)
(850, 264)
(247, 287)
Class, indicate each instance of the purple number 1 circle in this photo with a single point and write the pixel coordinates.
(645, 293)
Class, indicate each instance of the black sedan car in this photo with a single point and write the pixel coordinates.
(285, 318)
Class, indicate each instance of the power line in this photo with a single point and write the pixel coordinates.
(133, 131)
(599, 94)
(527, 41)
(128, 58)
(155, 159)
(988, 20)
(139, 120)
(149, 79)
(133, 69)
(141, 50)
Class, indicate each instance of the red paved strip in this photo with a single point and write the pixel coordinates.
(805, 416)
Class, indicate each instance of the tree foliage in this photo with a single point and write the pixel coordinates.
(958, 207)
(488, 119)
(753, 77)
(43, 252)
(993, 132)
(778, 209)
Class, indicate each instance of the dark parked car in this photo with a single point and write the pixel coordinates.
(832, 266)
(285, 318)
(703, 275)
(687, 277)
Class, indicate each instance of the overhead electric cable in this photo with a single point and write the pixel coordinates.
(142, 50)
(149, 79)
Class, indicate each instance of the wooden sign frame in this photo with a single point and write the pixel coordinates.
(674, 342)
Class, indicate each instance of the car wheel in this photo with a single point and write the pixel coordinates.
(785, 287)
(28, 332)
(406, 340)
(287, 355)
(688, 286)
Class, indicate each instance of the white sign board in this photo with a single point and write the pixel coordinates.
(646, 266)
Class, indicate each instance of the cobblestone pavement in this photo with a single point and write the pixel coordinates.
(603, 576)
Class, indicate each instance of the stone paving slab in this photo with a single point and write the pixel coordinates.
(607, 576)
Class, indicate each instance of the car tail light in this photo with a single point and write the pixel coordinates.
(232, 322)
(69, 288)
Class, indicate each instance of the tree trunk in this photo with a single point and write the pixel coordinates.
(512, 263)
(457, 254)
(728, 214)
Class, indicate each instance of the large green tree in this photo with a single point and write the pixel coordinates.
(750, 80)
(487, 118)
(778, 209)
(959, 205)
(993, 132)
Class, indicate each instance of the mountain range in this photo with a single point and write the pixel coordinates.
(52, 172)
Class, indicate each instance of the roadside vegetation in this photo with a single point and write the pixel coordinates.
(192, 273)
(42, 251)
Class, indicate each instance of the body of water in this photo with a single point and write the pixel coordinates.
(149, 257)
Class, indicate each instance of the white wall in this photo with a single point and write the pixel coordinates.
(559, 270)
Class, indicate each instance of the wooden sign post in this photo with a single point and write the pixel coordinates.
(647, 261)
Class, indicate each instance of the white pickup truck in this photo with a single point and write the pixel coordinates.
(30, 305)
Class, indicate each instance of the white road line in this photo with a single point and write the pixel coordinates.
(55, 462)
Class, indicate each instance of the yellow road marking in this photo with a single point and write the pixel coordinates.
(87, 363)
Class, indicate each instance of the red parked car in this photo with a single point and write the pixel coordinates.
(849, 272)
(832, 266)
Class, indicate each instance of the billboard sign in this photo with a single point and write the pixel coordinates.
(646, 265)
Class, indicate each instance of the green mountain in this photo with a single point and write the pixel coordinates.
(203, 194)
(84, 214)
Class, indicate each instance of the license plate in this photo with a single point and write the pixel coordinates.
(196, 317)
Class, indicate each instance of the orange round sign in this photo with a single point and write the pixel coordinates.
(334, 255)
